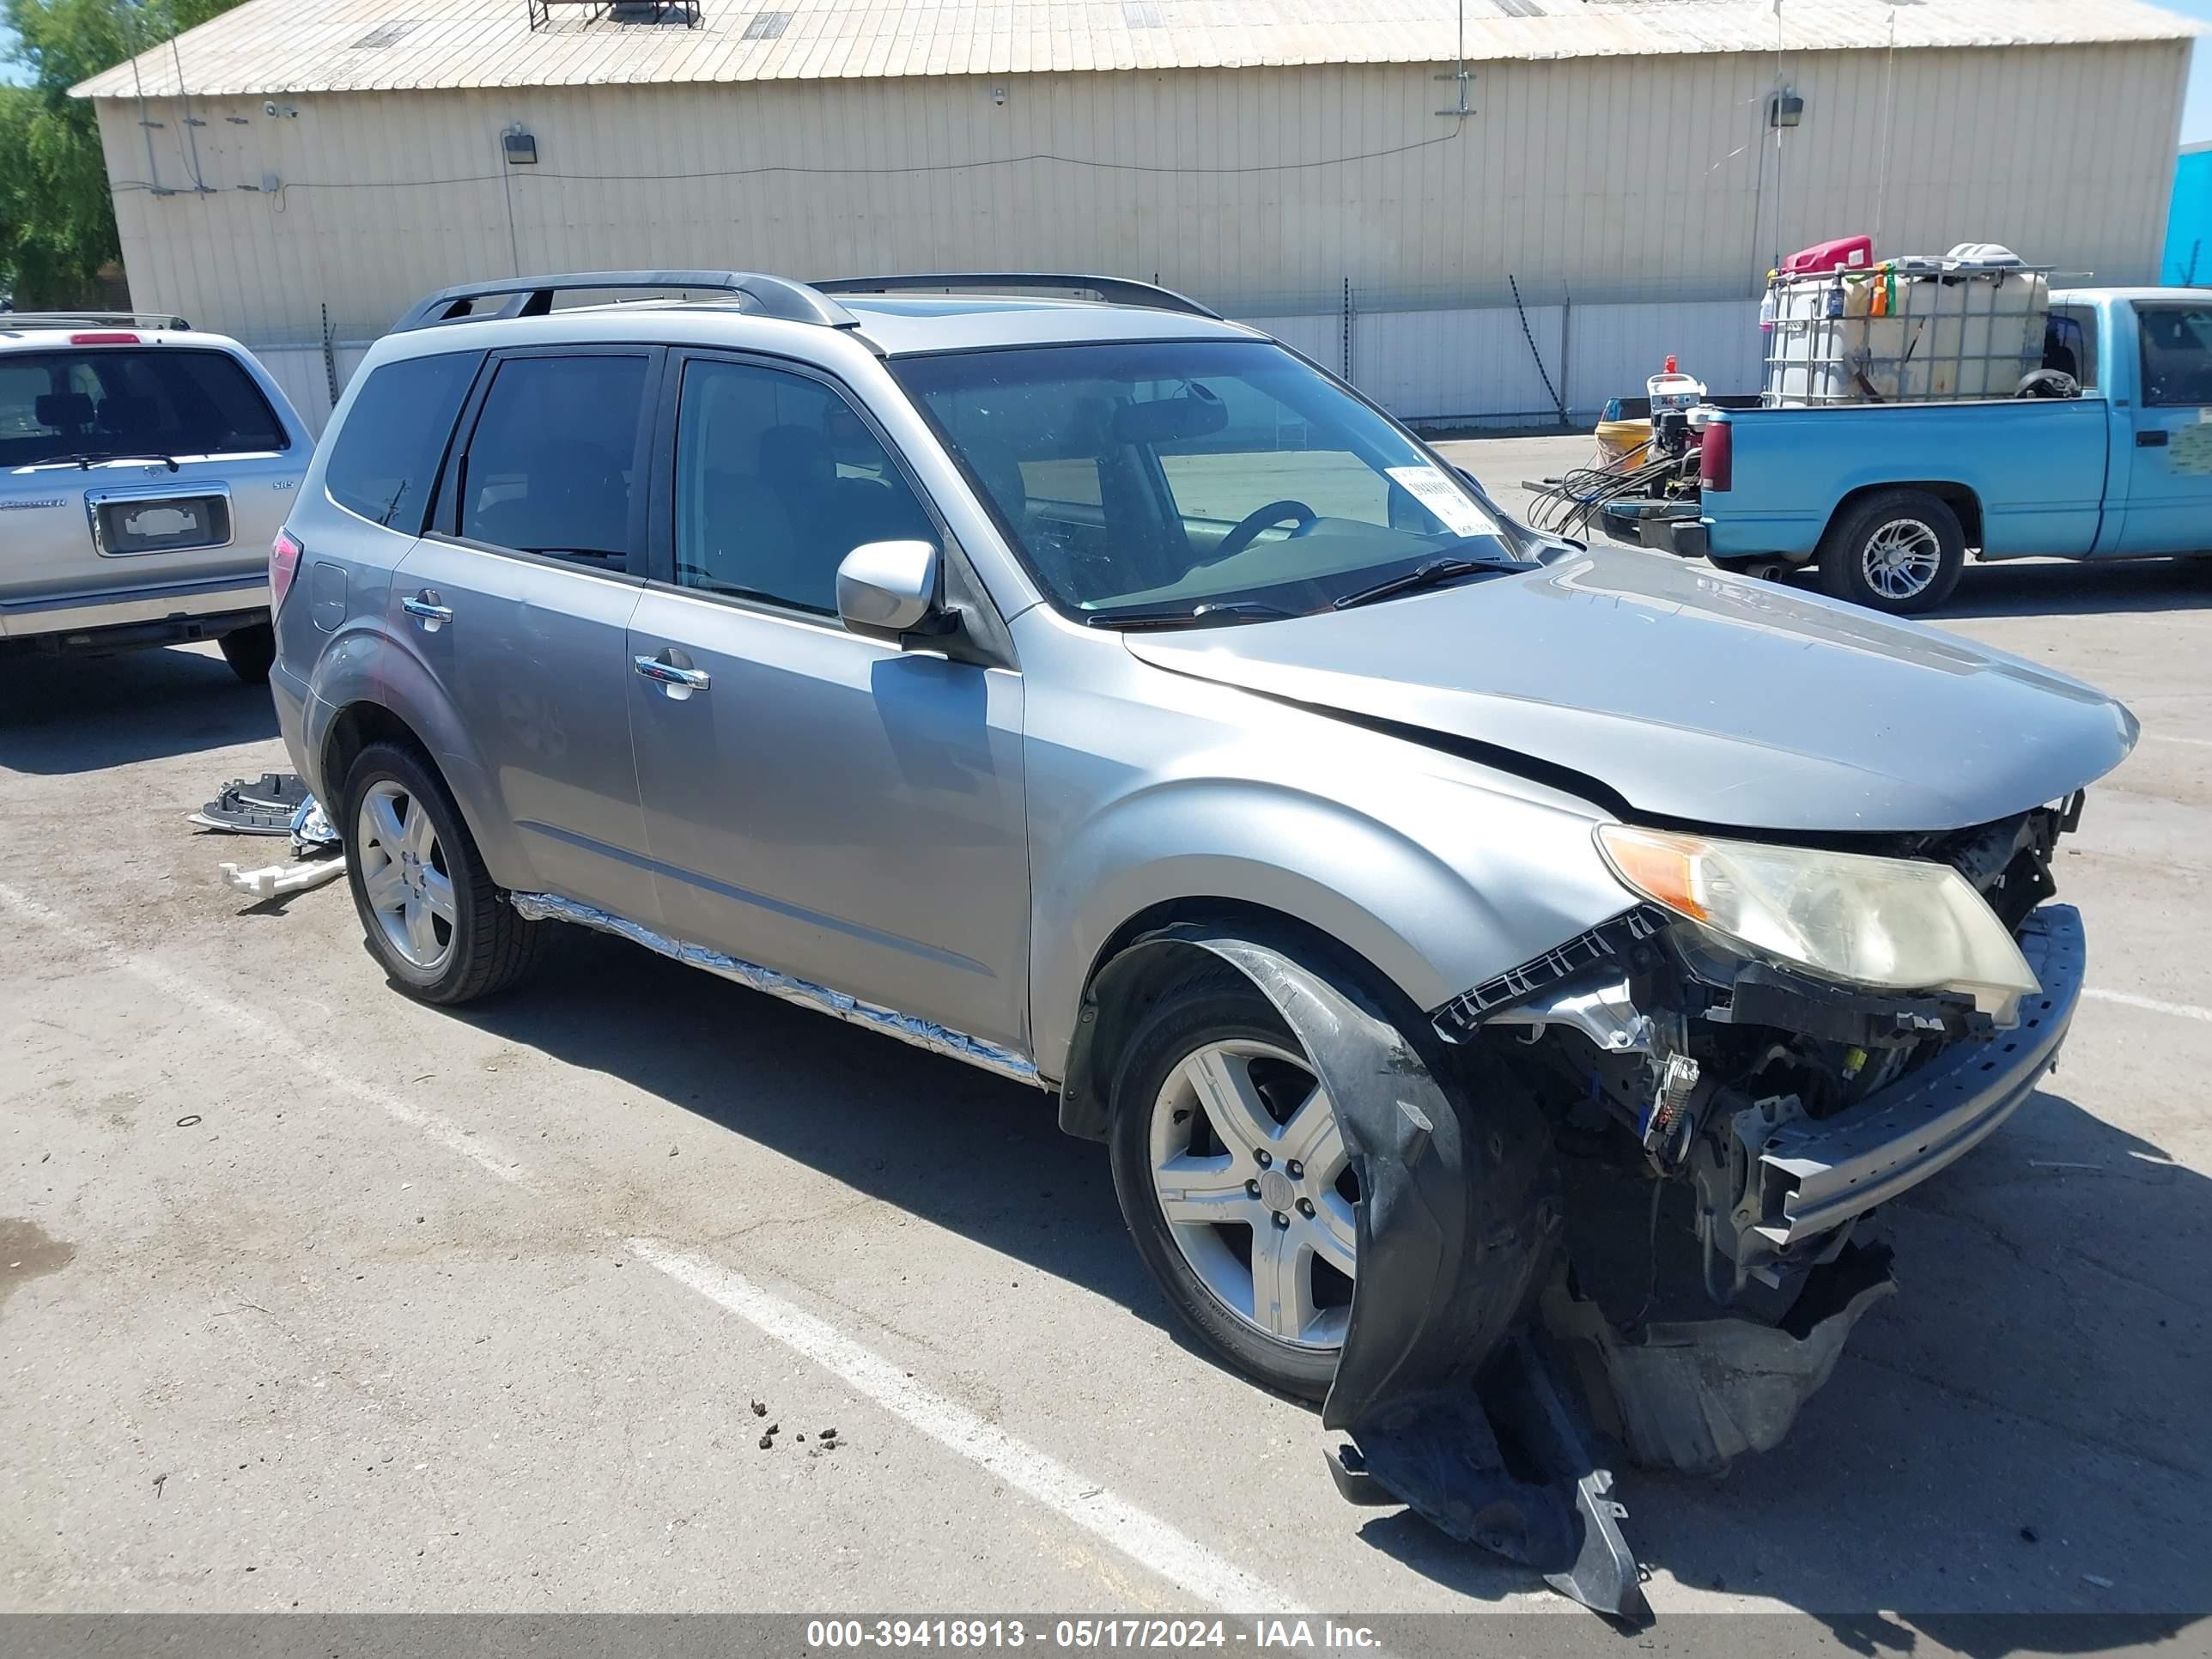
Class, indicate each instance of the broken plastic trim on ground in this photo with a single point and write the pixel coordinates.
(275, 804)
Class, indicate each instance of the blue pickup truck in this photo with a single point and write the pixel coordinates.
(1888, 498)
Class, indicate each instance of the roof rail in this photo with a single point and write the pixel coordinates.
(96, 319)
(533, 296)
(1114, 290)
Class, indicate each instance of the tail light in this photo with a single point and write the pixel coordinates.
(283, 565)
(104, 339)
(1716, 457)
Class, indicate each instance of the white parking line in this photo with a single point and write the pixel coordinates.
(2128, 1000)
(182, 987)
(1142, 1537)
(2168, 737)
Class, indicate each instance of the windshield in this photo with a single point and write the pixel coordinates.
(1224, 478)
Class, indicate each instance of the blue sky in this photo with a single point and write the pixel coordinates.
(2197, 116)
(2195, 120)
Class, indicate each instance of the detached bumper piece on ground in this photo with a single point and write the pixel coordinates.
(1475, 1381)
(275, 804)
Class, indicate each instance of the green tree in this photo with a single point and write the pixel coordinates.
(57, 218)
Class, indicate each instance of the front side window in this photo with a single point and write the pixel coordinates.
(2177, 355)
(118, 402)
(551, 461)
(1176, 475)
(777, 479)
(384, 457)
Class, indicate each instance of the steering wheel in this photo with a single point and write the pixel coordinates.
(1265, 518)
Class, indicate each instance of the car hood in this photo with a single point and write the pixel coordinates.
(1689, 695)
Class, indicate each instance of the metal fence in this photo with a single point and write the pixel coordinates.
(1471, 358)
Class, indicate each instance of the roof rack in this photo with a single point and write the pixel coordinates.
(96, 319)
(1113, 290)
(533, 296)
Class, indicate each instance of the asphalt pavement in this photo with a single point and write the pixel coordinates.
(313, 1298)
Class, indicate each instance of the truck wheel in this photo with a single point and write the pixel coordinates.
(1900, 551)
(433, 917)
(1235, 1182)
(250, 651)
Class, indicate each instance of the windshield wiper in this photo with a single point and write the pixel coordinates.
(1428, 574)
(85, 463)
(1197, 616)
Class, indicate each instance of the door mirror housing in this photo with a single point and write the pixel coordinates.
(886, 590)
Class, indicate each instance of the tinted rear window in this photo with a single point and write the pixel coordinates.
(384, 457)
(105, 401)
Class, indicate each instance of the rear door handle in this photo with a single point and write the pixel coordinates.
(426, 610)
(679, 682)
(2152, 437)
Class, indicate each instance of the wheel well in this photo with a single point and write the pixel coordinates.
(1957, 497)
(1123, 983)
(357, 725)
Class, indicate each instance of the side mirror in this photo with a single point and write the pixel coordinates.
(887, 589)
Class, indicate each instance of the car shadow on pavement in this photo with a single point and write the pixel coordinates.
(72, 715)
(2022, 1428)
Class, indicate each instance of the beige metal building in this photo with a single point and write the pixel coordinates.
(296, 176)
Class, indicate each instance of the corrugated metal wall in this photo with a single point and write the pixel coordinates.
(1610, 186)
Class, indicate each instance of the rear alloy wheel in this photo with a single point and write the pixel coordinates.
(403, 874)
(1900, 552)
(250, 651)
(433, 918)
(1237, 1185)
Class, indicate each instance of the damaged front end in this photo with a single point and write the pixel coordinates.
(1784, 1105)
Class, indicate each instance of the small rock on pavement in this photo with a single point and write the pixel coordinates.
(760, 1408)
(2098, 1579)
(768, 1440)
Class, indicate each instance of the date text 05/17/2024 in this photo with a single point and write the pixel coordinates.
(1265, 1635)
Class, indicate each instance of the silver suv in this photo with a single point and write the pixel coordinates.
(1108, 697)
(143, 468)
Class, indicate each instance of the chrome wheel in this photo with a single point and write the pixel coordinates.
(1900, 560)
(1256, 1187)
(403, 872)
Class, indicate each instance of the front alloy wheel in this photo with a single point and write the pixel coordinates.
(1252, 1179)
(404, 875)
(1235, 1181)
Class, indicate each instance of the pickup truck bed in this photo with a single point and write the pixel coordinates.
(1888, 499)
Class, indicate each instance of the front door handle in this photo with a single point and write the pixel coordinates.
(2151, 438)
(426, 610)
(677, 681)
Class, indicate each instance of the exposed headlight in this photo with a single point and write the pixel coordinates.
(1892, 924)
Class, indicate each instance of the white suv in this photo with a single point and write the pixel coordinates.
(143, 468)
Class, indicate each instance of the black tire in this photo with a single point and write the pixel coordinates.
(1209, 1007)
(251, 652)
(1845, 551)
(490, 947)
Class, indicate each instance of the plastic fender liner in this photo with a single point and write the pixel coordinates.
(1691, 1395)
(1452, 1403)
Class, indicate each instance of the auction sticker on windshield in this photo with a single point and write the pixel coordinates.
(1441, 497)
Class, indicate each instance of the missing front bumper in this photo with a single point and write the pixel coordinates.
(1790, 1183)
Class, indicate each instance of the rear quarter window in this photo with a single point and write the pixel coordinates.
(102, 401)
(384, 460)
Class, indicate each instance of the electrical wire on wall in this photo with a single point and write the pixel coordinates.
(190, 125)
(1888, 116)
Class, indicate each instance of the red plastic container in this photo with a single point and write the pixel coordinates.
(1844, 254)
